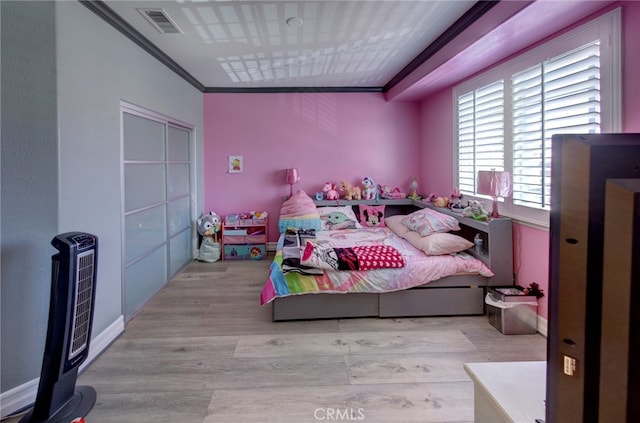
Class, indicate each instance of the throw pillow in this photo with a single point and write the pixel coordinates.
(372, 215)
(341, 217)
(438, 244)
(395, 224)
(427, 221)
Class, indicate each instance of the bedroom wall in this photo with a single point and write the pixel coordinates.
(64, 72)
(327, 136)
(531, 245)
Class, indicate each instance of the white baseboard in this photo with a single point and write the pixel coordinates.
(271, 246)
(542, 326)
(24, 395)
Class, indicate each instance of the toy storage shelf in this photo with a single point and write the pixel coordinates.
(244, 239)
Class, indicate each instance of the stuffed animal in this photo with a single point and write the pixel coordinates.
(350, 192)
(455, 200)
(330, 191)
(258, 214)
(387, 192)
(209, 225)
(475, 210)
(441, 202)
(370, 191)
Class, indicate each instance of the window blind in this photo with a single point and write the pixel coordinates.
(480, 133)
(559, 95)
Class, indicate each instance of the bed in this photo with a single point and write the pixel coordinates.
(461, 293)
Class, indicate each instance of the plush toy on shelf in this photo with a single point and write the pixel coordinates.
(258, 214)
(350, 192)
(475, 210)
(455, 200)
(370, 191)
(387, 192)
(330, 191)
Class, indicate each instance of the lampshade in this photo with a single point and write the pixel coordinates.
(292, 176)
(496, 184)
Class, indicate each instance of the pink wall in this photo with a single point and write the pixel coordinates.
(437, 147)
(531, 246)
(327, 136)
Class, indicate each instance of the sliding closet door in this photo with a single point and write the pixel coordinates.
(157, 214)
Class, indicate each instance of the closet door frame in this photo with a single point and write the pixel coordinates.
(167, 122)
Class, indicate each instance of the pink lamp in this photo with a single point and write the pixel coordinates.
(293, 176)
(496, 184)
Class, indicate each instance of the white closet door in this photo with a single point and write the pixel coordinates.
(179, 197)
(157, 212)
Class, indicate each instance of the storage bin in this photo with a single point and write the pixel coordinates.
(244, 252)
(511, 311)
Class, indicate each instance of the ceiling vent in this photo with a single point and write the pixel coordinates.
(161, 21)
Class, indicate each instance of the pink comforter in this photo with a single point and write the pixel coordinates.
(419, 268)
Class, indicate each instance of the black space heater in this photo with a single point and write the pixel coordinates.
(73, 279)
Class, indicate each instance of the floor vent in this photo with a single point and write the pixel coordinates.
(161, 21)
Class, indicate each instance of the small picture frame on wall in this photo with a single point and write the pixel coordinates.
(236, 164)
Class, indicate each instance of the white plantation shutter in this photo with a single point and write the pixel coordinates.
(506, 116)
(560, 95)
(480, 125)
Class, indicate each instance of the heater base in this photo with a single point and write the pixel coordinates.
(78, 406)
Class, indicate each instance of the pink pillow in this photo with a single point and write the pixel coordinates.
(438, 244)
(371, 215)
(395, 224)
(427, 221)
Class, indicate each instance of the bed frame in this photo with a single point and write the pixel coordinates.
(453, 295)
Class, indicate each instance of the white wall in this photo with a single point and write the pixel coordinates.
(97, 67)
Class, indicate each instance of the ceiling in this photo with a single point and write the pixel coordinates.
(361, 44)
(404, 48)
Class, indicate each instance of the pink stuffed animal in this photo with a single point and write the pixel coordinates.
(330, 191)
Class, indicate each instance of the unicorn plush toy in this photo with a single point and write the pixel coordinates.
(370, 191)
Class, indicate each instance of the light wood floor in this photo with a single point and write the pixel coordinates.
(204, 351)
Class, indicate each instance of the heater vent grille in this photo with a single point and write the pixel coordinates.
(82, 310)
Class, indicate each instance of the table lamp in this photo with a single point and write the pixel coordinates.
(495, 184)
(292, 176)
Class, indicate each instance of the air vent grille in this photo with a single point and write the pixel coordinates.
(82, 310)
(160, 21)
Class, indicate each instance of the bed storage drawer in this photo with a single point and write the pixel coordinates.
(433, 302)
(325, 306)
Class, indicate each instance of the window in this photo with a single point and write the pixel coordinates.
(505, 117)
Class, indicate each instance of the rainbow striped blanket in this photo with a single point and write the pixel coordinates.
(419, 268)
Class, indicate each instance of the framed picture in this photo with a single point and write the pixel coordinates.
(235, 164)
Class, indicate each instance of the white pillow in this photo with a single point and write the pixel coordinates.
(395, 224)
(439, 243)
(341, 217)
